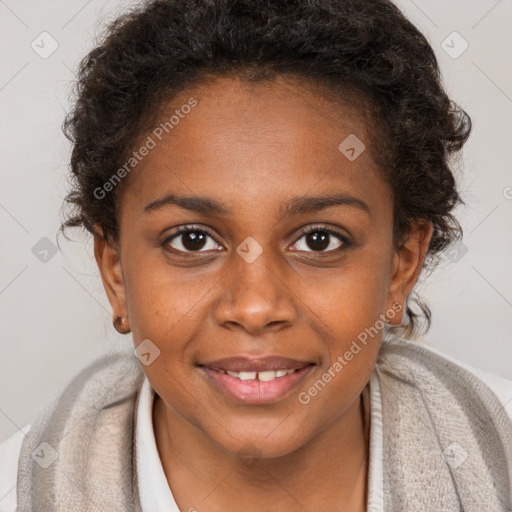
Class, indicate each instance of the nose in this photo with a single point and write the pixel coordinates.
(255, 297)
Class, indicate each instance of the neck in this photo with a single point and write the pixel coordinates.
(328, 473)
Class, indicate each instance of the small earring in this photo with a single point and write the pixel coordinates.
(119, 324)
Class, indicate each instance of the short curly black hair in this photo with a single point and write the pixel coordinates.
(364, 48)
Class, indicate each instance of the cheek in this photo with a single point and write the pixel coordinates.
(350, 299)
(351, 309)
(170, 313)
(162, 300)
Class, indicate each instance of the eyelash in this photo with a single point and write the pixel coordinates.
(303, 232)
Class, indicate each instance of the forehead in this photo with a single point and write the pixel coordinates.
(256, 141)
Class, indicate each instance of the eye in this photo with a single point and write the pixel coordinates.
(191, 239)
(320, 239)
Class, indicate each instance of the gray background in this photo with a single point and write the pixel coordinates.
(54, 315)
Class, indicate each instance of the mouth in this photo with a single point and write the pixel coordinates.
(256, 381)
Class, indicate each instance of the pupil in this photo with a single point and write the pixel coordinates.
(318, 240)
(194, 240)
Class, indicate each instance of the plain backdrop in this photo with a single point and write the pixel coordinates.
(54, 315)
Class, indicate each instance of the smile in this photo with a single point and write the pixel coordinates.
(256, 387)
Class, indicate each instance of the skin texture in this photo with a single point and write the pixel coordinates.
(254, 147)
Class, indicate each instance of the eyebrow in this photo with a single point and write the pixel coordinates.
(294, 206)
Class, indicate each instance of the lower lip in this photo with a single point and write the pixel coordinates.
(256, 391)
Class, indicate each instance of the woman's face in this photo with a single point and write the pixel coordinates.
(245, 170)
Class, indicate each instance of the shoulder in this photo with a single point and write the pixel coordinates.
(81, 392)
(9, 453)
(500, 386)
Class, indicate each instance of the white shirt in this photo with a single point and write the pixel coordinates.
(155, 493)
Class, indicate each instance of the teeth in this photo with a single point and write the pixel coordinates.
(247, 375)
(264, 376)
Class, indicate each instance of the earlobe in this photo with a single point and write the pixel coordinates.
(407, 265)
(109, 265)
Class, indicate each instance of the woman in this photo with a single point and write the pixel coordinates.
(265, 181)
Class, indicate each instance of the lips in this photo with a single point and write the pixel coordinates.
(256, 381)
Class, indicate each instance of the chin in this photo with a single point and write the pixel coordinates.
(256, 443)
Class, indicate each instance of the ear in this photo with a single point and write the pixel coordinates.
(407, 265)
(109, 264)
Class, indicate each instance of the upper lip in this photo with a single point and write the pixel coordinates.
(245, 364)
